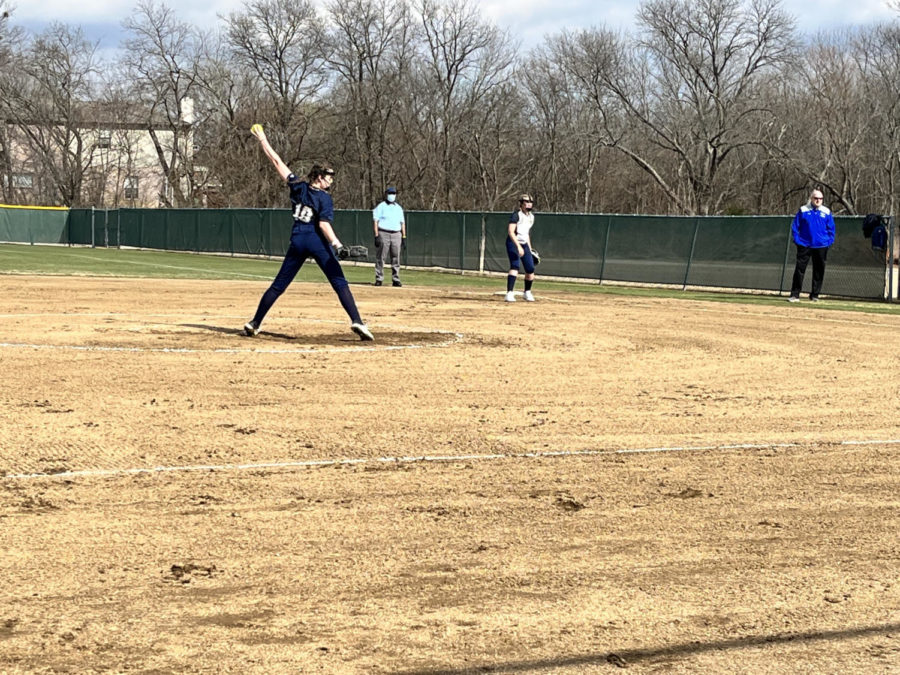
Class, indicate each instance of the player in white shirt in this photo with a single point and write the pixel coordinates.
(518, 248)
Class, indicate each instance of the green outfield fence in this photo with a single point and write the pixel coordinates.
(735, 252)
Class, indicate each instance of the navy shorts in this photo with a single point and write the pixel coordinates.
(526, 259)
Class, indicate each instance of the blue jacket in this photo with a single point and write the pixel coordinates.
(813, 228)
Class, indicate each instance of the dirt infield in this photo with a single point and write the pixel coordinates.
(578, 485)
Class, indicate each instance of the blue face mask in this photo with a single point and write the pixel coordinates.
(392, 198)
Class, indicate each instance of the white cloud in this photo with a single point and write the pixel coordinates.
(528, 19)
(66, 11)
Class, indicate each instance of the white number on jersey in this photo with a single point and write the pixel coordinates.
(303, 213)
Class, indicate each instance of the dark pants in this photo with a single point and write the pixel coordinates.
(307, 242)
(818, 255)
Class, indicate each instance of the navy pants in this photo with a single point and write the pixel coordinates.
(818, 255)
(514, 260)
(307, 242)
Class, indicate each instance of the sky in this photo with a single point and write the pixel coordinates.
(528, 19)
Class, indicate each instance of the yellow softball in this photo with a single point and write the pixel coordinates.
(256, 129)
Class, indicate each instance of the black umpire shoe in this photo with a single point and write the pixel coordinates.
(377, 283)
(396, 284)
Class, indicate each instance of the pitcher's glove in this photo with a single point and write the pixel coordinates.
(340, 250)
(536, 257)
(359, 253)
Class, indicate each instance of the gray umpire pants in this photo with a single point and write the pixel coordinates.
(390, 246)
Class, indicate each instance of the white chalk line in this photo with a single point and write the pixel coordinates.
(179, 267)
(313, 463)
(453, 337)
(787, 315)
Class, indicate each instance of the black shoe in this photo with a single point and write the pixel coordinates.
(396, 284)
(377, 282)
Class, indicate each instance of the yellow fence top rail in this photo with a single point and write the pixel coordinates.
(42, 208)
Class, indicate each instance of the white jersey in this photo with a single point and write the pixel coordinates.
(524, 222)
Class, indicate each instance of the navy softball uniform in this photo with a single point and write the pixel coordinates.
(524, 222)
(310, 205)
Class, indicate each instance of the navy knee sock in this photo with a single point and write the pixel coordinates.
(265, 304)
(348, 303)
(510, 282)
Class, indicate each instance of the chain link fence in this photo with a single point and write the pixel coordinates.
(734, 252)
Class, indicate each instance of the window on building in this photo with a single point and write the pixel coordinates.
(23, 181)
(130, 187)
(104, 138)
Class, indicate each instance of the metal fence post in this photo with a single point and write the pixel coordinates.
(462, 246)
(481, 245)
(787, 250)
(605, 248)
(890, 287)
(687, 269)
(92, 228)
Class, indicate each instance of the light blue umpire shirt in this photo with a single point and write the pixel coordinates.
(388, 216)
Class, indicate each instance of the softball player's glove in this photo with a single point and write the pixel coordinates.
(536, 257)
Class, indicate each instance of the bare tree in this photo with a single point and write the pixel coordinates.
(161, 54)
(823, 130)
(464, 59)
(877, 53)
(683, 99)
(282, 44)
(495, 140)
(228, 163)
(371, 49)
(44, 96)
(562, 125)
(10, 45)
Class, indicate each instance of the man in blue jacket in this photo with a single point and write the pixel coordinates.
(813, 230)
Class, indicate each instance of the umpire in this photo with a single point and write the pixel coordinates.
(390, 236)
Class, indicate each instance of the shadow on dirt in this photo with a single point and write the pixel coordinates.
(626, 657)
(382, 338)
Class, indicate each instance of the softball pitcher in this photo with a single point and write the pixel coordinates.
(311, 236)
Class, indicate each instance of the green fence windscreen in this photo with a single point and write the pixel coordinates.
(717, 251)
(33, 226)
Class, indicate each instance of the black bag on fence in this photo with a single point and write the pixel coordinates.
(870, 222)
(874, 227)
(880, 238)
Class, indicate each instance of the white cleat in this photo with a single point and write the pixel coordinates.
(793, 298)
(510, 296)
(363, 331)
(529, 296)
(251, 329)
